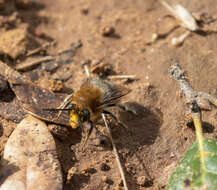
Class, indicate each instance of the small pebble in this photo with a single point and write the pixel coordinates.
(85, 11)
(71, 173)
(121, 183)
(104, 167)
(104, 179)
(141, 180)
(55, 85)
(89, 170)
(107, 180)
(108, 31)
(50, 66)
(172, 155)
(102, 69)
(103, 141)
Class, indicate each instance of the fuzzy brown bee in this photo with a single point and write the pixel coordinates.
(88, 103)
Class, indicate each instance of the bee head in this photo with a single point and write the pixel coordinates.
(85, 115)
(78, 117)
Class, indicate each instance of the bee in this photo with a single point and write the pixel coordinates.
(90, 101)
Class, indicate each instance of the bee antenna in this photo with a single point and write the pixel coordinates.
(56, 109)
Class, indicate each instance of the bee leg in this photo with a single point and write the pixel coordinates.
(66, 101)
(87, 136)
(106, 112)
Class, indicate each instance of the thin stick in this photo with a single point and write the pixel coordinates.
(34, 51)
(27, 65)
(122, 77)
(116, 154)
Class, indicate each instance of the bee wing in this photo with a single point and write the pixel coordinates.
(112, 96)
(111, 93)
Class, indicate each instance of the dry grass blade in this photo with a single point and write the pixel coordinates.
(116, 154)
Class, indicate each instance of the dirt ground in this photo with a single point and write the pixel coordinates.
(157, 139)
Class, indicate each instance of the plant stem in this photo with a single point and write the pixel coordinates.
(196, 115)
(198, 127)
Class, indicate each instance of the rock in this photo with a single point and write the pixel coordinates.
(141, 180)
(104, 178)
(51, 66)
(55, 85)
(107, 180)
(85, 10)
(121, 183)
(3, 84)
(30, 158)
(71, 172)
(88, 170)
(105, 167)
(102, 69)
(14, 42)
(108, 31)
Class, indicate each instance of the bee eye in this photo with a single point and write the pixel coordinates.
(86, 115)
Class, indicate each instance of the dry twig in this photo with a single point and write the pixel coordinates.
(29, 64)
(34, 51)
(201, 98)
(122, 77)
(116, 153)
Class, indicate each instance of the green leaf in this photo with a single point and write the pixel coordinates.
(191, 175)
